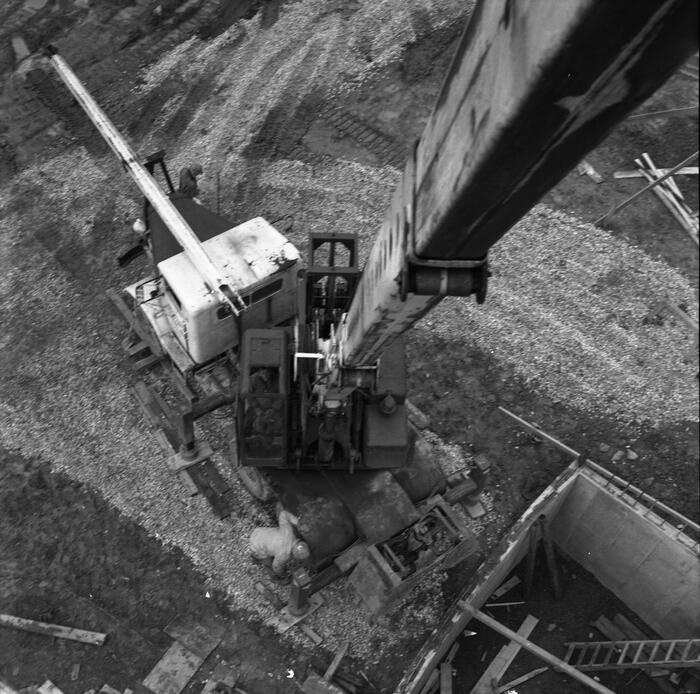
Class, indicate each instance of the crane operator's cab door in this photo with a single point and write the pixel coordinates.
(263, 398)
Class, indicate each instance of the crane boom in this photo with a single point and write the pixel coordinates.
(181, 230)
(533, 86)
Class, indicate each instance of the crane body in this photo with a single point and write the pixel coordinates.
(321, 373)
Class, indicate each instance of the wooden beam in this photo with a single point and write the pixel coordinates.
(61, 632)
(336, 661)
(503, 659)
(556, 663)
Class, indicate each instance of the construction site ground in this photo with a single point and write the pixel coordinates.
(301, 112)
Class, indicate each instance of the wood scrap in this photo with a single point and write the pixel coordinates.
(522, 679)
(75, 672)
(62, 632)
(503, 659)
(586, 169)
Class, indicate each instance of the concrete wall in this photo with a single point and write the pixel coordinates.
(643, 564)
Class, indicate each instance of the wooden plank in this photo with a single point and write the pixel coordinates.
(220, 504)
(445, 678)
(336, 661)
(557, 663)
(145, 363)
(216, 481)
(173, 671)
(134, 324)
(120, 305)
(504, 658)
(686, 171)
(92, 637)
(521, 680)
(199, 636)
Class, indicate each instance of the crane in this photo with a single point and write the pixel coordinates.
(321, 375)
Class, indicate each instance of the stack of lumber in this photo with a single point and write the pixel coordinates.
(670, 195)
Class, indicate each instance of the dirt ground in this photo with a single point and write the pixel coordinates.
(68, 555)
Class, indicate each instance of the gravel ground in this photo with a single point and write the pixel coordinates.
(566, 309)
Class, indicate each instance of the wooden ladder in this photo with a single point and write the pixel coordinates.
(613, 655)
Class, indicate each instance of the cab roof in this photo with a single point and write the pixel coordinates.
(248, 255)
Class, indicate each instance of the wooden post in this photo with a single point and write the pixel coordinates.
(555, 662)
(550, 556)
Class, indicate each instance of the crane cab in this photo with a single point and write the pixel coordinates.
(189, 321)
